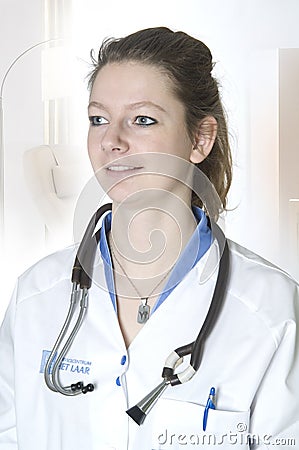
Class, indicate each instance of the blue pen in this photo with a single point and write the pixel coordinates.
(210, 405)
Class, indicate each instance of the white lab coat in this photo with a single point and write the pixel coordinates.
(251, 358)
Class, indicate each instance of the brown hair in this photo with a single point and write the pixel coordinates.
(188, 62)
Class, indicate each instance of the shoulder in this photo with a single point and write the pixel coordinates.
(46, 273)
(246, 263)
(261, 286)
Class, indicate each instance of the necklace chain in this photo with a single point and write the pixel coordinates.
(144, 308)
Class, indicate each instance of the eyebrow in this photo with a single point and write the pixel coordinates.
(146, 103)
(131, 106)
(97, 105)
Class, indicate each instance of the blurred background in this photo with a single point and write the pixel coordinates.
(44, 61)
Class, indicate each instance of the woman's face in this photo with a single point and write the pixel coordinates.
(134, 117)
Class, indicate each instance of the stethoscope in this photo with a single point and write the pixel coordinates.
(81, 282)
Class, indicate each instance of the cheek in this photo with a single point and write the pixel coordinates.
(178, 141)
(93, 147)
(171, 141)
(90, 140)
(180, 146)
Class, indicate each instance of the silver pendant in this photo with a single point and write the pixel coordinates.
(143, 311)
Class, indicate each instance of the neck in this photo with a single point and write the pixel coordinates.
(149, 240)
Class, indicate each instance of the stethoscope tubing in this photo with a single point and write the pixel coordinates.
(83, 267)
(81, 282)
(48, 368)
(195, 348)
(69, 390)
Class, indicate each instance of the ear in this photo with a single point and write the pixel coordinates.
(204, 139)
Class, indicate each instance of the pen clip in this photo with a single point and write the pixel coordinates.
(210, 405)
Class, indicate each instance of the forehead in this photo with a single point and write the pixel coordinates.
(133, 82)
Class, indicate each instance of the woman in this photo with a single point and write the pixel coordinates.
(155, 118)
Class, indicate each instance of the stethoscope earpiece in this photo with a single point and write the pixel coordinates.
(79, 387)
(88, 388)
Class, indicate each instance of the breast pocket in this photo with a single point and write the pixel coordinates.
(179, 425)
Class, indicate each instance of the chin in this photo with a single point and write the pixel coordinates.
(120, 194)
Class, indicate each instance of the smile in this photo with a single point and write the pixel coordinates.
(122, 168)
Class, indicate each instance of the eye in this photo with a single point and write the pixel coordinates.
(97, 120)
(144, 121)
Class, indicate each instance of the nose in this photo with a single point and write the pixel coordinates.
(114, 139)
